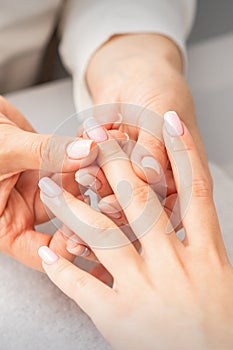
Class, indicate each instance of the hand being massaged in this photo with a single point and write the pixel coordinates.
(170, 294)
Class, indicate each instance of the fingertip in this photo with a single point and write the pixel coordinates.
(49, 187)
(79, 148)
(173, 124)
(79, 154)
(47, 255)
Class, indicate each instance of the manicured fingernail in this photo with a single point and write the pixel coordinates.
(110, 210)
(118, 121)
(88, 180)
(173, 124)
(77, 248)
(94, 130)
(151, 163)
(49, 187)
(79, 149)
(47, 255)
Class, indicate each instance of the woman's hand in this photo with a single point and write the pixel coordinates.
(143, 70)
(174, 294)
(23, 154)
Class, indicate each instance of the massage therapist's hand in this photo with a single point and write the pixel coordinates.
(21, 153)
(174, 295)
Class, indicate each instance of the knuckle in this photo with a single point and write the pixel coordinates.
(41, 151)
(62, 271)
(81, 281)
(201, 188)
(155, 144)
(109, 151)
(103, 224)
(141, 193)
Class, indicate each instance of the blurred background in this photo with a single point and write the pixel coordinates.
(213, 18)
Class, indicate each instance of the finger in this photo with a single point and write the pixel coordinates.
(195, 194)
(26, 150)
(92, 177)
(66, 181)
(23, 247)
(13, 114)
(106, 114)
(166, 186)
(139, 202)
(173, 211)
(93, 296)
(76, 246)
(110, 206)
(105, 239)
(102, 274)
(149, 156)
(6, 187)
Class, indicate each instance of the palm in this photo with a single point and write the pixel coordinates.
(23, 209)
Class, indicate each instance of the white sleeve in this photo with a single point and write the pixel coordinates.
(87, 24)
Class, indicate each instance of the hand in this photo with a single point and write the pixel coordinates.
(23, 153)
(174, 294)
(145, 70)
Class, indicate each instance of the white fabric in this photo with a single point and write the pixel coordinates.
(26, 26)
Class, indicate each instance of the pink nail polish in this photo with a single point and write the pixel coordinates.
(49, 187)
(94, 130)
(47, 255)
(173, 124)
(79, 149)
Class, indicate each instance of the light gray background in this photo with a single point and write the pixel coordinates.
(213, 18)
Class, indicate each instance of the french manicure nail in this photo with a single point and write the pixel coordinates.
(173, 124)
(94, 130)
(89, 180)
(47, 255)
(151, 163)
(79, 149)
(49, 187)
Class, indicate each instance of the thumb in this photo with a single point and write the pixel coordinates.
(28, 150)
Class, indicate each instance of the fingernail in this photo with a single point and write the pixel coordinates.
(173, 124)
(94, 130)
(150, 162)
(77, 249)
(89, 180)
(49, 187)
(110, 210)
(47, 255)
(118, 122)
(79, 149)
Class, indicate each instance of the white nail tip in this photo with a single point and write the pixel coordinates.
(150, 162)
